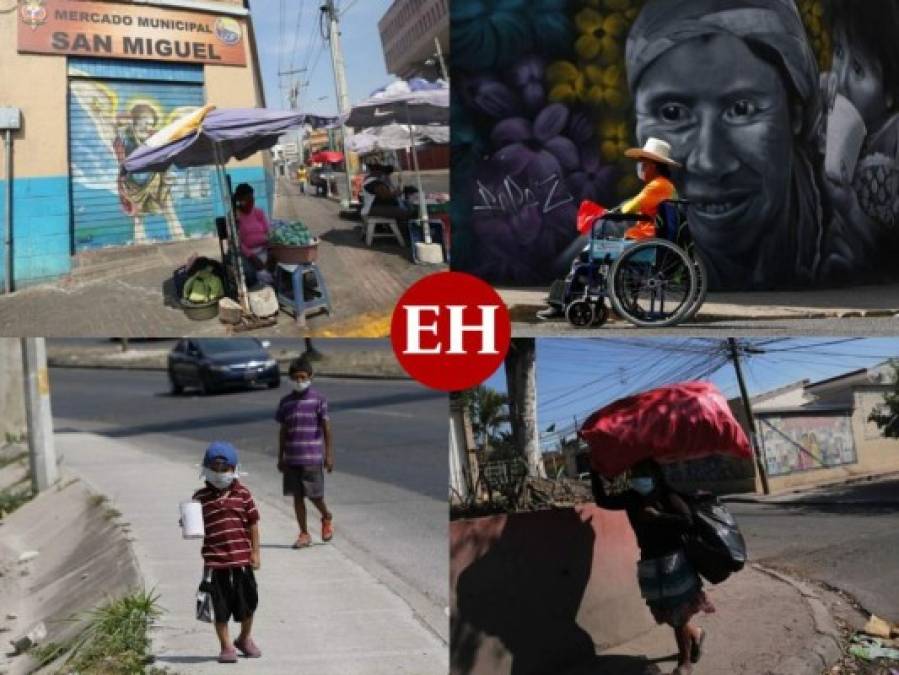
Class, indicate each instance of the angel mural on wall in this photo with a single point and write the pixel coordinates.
(123, 116)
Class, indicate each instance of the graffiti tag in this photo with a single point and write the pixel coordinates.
(510, 197)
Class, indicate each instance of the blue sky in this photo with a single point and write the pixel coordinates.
(365, 67)
(577, 376)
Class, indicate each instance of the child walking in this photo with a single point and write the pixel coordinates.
(230, 549)
(304, 448)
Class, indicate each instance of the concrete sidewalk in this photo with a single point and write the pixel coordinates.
(764, 624)
(859, 301)
(319, 611)
(128, 291)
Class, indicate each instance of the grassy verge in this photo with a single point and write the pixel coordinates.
(14, 496)
(115, 641)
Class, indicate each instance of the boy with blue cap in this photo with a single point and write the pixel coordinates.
(230, 549)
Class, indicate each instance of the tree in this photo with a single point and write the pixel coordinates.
(521, 382)
(488, 410)
(886, 416)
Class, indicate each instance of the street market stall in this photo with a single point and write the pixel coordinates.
(212, 137)
(412, 104)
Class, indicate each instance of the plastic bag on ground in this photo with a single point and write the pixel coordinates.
(682, 421)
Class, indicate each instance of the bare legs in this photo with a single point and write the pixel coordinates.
(299, 507)
(686, 636)
(221, 631)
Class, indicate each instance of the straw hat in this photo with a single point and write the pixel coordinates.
(655, 150)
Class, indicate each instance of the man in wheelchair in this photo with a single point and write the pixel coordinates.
(654, 169)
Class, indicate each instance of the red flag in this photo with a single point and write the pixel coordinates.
(680, 421)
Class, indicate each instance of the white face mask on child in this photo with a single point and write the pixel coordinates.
(219, 480)
(641, 171)
(301, 386)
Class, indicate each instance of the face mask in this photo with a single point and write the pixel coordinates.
(219, 480)
(643, 485)
(301, 386)
(641, 171)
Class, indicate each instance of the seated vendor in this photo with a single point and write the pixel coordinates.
(379, 198)
(253, 229)
(654, 169)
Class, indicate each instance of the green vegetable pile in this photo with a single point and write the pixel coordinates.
(291, 234)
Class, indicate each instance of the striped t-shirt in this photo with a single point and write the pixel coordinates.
(227, 516)
(304, 415)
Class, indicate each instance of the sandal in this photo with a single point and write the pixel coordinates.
(303, 540)
(696, 648)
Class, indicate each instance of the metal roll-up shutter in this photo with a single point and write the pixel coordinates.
(113, 107)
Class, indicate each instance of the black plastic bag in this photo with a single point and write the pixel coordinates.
(715, 545)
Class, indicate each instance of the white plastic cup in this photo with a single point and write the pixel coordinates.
(192, 520)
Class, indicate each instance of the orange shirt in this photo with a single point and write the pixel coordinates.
(647, 203)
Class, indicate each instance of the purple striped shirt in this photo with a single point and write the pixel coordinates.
(304, 416)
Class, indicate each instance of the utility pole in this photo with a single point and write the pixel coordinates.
(41, 450)
(440, 60)
(343, 97)
(747, 406)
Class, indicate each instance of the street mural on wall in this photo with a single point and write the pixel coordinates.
(109, 120)
(802, 442)
(783, 114)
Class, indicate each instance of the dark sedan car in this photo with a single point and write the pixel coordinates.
(211, 364)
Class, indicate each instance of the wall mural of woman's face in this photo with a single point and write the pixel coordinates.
(726, 114)
(859, 77)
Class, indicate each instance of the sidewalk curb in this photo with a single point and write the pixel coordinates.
(796, 496)
(524, 313)
(826, 649)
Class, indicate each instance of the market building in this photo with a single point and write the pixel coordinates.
(91, 81)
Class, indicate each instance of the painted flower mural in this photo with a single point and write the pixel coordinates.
(543, 113)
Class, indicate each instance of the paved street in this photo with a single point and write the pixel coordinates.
(388, 491)
(851, 546)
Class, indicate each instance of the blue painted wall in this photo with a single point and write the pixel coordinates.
(257, 178)
(40, 229)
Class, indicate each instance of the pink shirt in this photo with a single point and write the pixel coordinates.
(253, 229)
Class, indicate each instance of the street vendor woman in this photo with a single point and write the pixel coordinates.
(668, 583)
(654, 165)
(253, 228)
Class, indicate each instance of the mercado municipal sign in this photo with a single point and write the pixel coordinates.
(109, 30)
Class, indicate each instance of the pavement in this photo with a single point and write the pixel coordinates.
(749, 309)
(127, 291)
(845, 536)
(320, 611)
(791, 632)
(388, 490)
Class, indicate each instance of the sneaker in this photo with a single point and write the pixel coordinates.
(228, 655)
(327, 529)
(248, 648)
(303, 540)
(551, 312)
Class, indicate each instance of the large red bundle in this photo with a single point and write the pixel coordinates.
(681, 421)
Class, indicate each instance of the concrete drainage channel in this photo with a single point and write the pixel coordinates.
(62, 554)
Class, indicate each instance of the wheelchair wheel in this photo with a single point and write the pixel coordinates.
(580, 314)
(653, 284)
(702, 286)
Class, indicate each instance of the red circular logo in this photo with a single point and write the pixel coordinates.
(450, 331)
